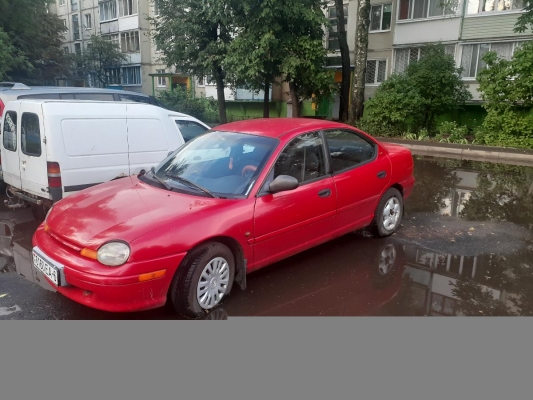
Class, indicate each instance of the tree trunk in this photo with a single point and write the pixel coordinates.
(266, 100)
(345, 57)
(361, 47)
(294, 99)
(221, 99)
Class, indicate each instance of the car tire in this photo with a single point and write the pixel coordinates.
(39, 212)
(209, 264)
(385, 225)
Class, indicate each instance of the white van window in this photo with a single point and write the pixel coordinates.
(30, 137)
(42, 96)
(95, 96)
(189, 129)
(10, 131)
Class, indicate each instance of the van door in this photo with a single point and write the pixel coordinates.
(10, 145)
(147, 143)
(32, 151)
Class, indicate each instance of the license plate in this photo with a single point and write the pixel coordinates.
(46, 268)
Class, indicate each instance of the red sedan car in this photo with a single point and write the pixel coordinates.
(240, 197)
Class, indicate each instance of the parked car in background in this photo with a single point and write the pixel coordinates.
(240, 197)
(53, 148)
(10, 91)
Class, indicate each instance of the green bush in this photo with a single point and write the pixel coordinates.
(184, 101)
(449, 131)
(507, 129)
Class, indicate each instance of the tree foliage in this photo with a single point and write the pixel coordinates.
(95, 61)
(507, 88)
(194, 35)
(525, 21)
(36, 35)
(184, 101)
(412, 100)
(10, 56)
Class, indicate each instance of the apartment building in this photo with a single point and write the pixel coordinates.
(125, 23)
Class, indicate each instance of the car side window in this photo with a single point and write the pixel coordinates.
(10, 131)
(302, 159)
(43, 96)
(348, 149)
(137, 99)
(190, 129)
(94, 96)
(30, 135)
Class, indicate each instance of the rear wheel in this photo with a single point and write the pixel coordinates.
(203, 280)
(388, 214)
(39, 212)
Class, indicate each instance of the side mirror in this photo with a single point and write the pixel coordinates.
(283, 183)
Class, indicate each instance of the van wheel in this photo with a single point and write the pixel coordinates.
(203, 280)
(39, 212)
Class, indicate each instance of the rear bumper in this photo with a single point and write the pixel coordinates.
(89, 283)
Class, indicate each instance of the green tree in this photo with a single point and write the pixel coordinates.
(506, 86)
(36, 35)
(412, 100)
(97, 59)
(525, 20)
(194, 35)
(10, 57)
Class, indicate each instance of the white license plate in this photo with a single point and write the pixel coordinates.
(46, 268)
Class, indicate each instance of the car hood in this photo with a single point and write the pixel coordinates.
(120, 210)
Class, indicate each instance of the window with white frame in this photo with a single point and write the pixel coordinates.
(113, 76)
(472, 55)
(61, 3)
(380, 17)
(131, 75)
(376, 71)
(127, 7)
(481, 6)
(417, 9)
(88, 21)
(403, 57)
(108, 10)
(200, 82)
(161, 80)
(77, 48)
(129, 42)
(333, 32)
(65, 23)
(65, 50)
(74, 5)
(113, 38)
(76, 27)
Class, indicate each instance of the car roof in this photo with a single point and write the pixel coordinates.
(20, 89)
(276, 127)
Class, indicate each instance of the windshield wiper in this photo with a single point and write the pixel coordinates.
(161, 181)
(191, 184)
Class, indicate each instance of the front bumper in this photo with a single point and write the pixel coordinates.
(87, 282)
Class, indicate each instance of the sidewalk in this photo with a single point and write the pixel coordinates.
(501, 155)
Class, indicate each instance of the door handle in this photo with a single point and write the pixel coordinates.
(324, 193)
(382, 174)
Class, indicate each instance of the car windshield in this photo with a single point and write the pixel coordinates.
(217, 164)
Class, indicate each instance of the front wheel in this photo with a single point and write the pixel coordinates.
(203, 280)
(388, 214)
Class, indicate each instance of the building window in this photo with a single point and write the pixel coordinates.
(376, 71)
(481, 6)
(130, 42)
(131, 75)
(88, 21)
(76, 27)
(66, 50)
(333, 34)
(127, 7)
(74, 5)
(416, 9)
(161, 80)
(113, 76)
(77, 48)
(65, 23)
(380, 17)
(108, 10)
(472, 55)
(61, 3)
(156, 7)
(113, 38)
(403, 57)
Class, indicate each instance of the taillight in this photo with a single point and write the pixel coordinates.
(54, 175)
(2, 107)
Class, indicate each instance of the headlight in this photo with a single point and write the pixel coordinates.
(113, 254)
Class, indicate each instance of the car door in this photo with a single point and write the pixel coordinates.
(10, 145)
(288, 222)
(32, 151)
(361, 172)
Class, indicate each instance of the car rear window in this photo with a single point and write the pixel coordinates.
(10, 131)
(189, 129)
(30, 135)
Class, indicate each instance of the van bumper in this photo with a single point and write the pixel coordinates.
(85, 282)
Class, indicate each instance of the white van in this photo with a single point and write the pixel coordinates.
(53, 148)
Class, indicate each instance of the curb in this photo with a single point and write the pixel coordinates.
(500, 155)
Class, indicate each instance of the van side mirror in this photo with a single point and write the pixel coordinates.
(283, 183)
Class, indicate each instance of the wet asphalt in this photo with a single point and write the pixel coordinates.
(465, 247)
